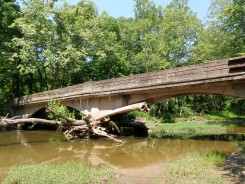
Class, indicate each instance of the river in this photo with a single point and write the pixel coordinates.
(137, 158)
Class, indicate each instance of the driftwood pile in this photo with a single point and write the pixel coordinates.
(92, 125)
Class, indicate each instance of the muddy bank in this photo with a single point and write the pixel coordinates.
(235, 165)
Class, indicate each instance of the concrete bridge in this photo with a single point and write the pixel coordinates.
(224, 77)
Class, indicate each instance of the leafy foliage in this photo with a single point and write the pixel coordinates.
(9, 76)
(60, 111)
(223, 35)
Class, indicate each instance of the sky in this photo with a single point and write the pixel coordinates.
(118, 8)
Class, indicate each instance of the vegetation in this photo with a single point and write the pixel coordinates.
(48, 44)
(195, 168)
(60, 111)
(217, 116)
(205, 107)
(220, 126)
(194, 130)
(191, 128)
(60, 173)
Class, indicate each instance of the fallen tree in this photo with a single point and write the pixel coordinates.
(94, 124)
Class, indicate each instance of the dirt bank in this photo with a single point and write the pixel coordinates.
(235, 165)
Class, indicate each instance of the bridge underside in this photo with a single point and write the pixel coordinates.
(110, 101)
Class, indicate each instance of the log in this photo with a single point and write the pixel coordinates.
(104, 134)
(16, 117)
(5, 122)
(129, 108)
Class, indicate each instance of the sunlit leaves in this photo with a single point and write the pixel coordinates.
(9, 11)
(54, 38)
(224, 34)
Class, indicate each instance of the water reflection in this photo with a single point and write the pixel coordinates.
(23, 147)
(235, 130)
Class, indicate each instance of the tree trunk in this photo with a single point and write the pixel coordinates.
(55, 75)
(30, 83)
(139, 106)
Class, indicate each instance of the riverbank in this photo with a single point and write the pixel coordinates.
(198, 130)
(208, 127)
(209, 167)
(60, 173)
(235, 164)
(205, 127)
(218, 128)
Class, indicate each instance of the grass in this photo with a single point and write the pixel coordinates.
(146, 116)
(194, 168)
(190, 127)
(195, 127)
(194, 130)
(60, 173)
(184, 130)
(215, 116)
(222, 115)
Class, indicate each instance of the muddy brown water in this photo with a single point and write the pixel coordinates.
(235, 130)
(138, 157)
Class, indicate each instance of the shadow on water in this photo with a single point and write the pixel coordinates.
(130, 126)
(210, 137)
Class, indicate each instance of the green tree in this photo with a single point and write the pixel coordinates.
(234, 23)
(74, 30)
(223, 35)
(105, 58)
(165, 37)
(37, 30)
(150, 48)
(10, 80)
(212, 44)
(179, 29)
(55, 41)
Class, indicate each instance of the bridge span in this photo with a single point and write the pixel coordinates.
(222, 77)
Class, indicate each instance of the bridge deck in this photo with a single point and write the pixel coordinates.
(221, 70)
